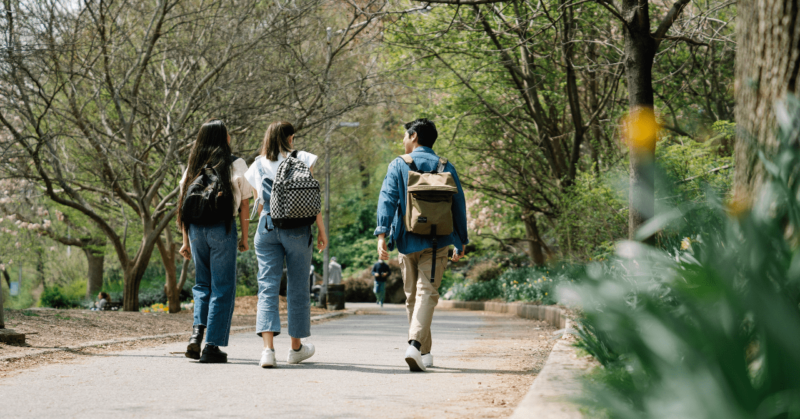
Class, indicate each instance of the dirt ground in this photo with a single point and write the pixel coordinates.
(525, 354)
(50, 328)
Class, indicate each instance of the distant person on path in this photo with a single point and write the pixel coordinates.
(275, 245)
(208, 224)
(416, 250)
(380, 272)
(334, 272)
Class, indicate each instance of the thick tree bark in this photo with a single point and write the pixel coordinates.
(133, 273)
(96, 260)
(2, 308)
(767, 67)
(184, 274)
(535, 246)
(167, 251)
(640, 49)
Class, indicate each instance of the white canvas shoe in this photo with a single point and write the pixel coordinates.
(306, 351)
(427, 360)
(268, 358)
(414, 359)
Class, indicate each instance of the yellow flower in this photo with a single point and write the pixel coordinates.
(640, 130)
(545, 293)
(686, 243)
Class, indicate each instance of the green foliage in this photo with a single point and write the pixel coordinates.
(243, 290)
(709, 331)
(528, 284)
(58, 297)
(593, 211)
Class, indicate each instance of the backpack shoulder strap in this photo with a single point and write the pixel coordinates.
(293, 154)
(442, 164)
(260, 167)
(410, 162)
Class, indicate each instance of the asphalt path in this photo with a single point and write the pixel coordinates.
(358, 371)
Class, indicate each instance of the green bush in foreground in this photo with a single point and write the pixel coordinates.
(712, 331)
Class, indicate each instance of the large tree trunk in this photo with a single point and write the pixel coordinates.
(167, 252)
(535, 245)
(132, 275)
(767, 67)
(96, 260)
(640, 49)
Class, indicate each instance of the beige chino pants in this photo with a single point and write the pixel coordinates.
(422, 295)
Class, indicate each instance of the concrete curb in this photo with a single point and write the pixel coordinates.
(551, 314)
(142, 338)
(559, 380)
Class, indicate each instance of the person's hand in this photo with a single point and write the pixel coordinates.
(456, 255)
(383, 251)
(322, 241)
(243, 244)
(186, 251)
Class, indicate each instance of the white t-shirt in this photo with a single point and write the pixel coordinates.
(241, 188)
(271, 168)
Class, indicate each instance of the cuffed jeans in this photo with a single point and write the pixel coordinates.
(272, 247)
(422, 295)
(214, 254)
(380, 290)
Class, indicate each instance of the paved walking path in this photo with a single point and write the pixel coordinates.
(357, 372)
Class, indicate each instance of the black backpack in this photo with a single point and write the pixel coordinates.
(205, 201)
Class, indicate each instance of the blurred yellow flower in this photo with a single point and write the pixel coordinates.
(686, 243)
(640, 130)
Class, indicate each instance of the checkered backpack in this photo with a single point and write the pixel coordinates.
(295, 200)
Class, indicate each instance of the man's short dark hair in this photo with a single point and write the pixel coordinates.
(425, 129)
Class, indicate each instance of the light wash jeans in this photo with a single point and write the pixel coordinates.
(272, 247)
(380, 291)
(214, 291)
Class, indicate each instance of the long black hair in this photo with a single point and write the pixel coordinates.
(210, 149)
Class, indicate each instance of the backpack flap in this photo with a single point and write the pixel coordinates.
(430, 202)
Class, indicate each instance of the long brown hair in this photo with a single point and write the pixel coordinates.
(210, 149)
(276, 140)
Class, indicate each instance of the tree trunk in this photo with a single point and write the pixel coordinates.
(95, 260)
(640, 50)
(132, 275)
(2, 308)
(767, 67)
(594, 103)
(535, 247)
(184, 274)
(171, 287)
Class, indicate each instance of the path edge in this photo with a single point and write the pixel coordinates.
(559, 379)
(7, 358)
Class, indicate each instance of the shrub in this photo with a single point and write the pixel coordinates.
(711, 330)
(484, 271)
(56, 297)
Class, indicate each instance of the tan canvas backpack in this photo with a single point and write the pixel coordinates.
(429, 202)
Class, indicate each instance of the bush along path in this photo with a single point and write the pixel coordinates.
(711, 330)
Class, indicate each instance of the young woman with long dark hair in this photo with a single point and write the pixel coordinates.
(212, 243)
(274, 246)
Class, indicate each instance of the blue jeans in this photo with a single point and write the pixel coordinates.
(380, 290)
(214, 291)
(272, 247)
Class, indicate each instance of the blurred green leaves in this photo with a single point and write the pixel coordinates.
(711, 330)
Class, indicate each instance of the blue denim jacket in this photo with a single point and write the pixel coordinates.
(392, 206)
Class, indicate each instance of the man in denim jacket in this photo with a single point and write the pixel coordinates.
(416, 251)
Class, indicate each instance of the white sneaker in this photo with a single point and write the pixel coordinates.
(295, 357)
(427, 360)
(414, 359)
(268, 358)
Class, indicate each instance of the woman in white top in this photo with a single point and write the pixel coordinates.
(274, 246)
(209, 236)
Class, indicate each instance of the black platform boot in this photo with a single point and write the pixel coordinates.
(193, 350)
(212, 355)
